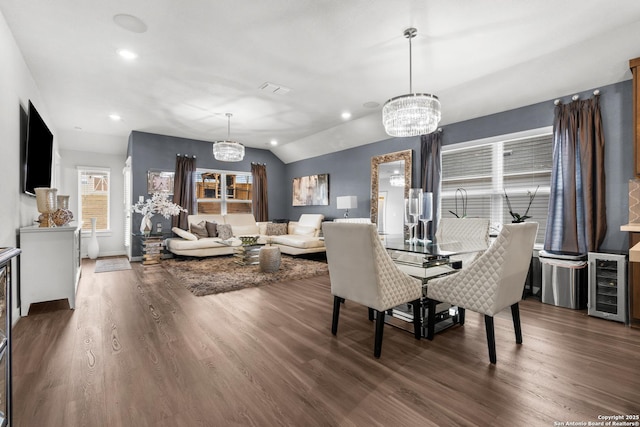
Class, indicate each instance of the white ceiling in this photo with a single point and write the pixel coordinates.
(202, 58)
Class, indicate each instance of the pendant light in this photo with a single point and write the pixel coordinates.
(227, 150)
(412, 114)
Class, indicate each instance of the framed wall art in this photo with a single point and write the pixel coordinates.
(312, 190)
(160, 182)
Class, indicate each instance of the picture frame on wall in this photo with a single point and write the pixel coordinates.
(160, 182)
(312, 190)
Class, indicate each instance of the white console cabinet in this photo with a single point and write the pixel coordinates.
(50, 264)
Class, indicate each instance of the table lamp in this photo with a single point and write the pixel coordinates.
(347, 202)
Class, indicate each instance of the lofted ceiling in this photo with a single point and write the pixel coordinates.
(199, 59)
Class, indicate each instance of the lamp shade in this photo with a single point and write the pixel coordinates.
(347, 202)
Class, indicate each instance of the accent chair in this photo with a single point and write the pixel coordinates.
(494, 281)
(361, 270)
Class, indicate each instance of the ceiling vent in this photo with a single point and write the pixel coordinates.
(274, 88)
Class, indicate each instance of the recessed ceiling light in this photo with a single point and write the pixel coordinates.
(346, 115)
(127, 54)
(273, 142)
(115, 117)
(371, 104)
(130, 23)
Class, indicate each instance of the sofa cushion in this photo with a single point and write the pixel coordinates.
(298, 241)
(212, 228)
(311, 220)
(224, 231)
(200, 229)
(245, 230)
(208, 242)
(184, 234)
(304, 231)
(276, 229)
(196, 219)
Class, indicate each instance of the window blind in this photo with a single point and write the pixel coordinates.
(481, 173)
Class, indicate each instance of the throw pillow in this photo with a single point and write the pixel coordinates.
(212, 228)
(276, 229)
(184, 234)
(200, 229)
(224, 231)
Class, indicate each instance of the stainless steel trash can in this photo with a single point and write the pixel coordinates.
(564, 280)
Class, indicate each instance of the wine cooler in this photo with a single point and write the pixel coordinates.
(608, 286)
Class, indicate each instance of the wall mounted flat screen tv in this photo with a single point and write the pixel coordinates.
(38, 153)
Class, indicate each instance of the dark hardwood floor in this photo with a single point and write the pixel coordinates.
(141, 350)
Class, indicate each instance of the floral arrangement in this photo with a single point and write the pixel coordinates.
(158, 204)
(516, 216)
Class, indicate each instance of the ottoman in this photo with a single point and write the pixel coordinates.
(269, 258)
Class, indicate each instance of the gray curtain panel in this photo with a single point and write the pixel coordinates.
(577, 219)
(259, 196)
(183, 190)
(431, 173)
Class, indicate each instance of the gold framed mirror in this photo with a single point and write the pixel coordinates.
(400, 161)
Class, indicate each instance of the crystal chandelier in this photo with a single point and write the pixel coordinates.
(396, 180)
(412, 114)
(228, 151)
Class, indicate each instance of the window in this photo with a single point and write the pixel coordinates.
(223, 192)
(94, 197)
(480, 172)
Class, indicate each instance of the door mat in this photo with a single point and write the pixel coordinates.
(112, 264)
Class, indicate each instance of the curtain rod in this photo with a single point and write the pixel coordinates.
(185, 155)
(258, 163)
(576, 97)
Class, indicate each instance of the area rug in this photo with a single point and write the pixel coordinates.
(219, 274)
(112, 264)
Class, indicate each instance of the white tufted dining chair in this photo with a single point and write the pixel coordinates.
(493, 282)
(465, 232)
(362, 271)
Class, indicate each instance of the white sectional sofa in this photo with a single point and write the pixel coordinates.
(303, 236)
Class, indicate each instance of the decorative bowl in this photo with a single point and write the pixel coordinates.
(248, 240)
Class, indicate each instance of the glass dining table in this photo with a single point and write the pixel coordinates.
(426, 261)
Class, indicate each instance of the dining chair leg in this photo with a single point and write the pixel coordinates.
(491, 338)
(336, 313)
(515, 313)
(377, 348)
(370, 313)
(417, 321)
(461, 315)
(431, 318)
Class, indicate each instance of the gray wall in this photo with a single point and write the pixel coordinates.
(349, 170)
(151, 151)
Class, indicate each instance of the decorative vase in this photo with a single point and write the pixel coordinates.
(93, 248)
(61, 217)
(146, 225)
(63, 201)
(47, 205)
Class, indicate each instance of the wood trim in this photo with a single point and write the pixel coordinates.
(634, 64)
(634, 285)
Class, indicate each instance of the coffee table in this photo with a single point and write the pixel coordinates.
(247, 254)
